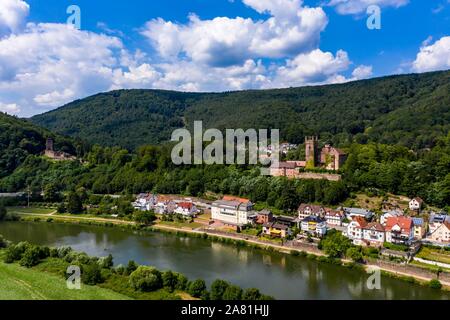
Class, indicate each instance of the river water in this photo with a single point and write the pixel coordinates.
(280, 275)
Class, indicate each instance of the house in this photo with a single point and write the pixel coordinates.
(314, 225)
(374, 234)
(436, 220)
(441, 234)
(306, 210)
(419, 228)
(334, 217)
(276, 230)
(390, 214)
(355, 229)
(164, 205)
(362, 232)
(358, 212)
(415, 204)
(332, 158)
(399, 230)
(232, 211)
(187, 209)
(145, 202)
(263, 217)
(288, 169)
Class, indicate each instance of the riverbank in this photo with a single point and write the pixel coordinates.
(408, 273)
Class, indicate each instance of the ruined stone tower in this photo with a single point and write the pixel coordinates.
(49, 145)
(312, 151)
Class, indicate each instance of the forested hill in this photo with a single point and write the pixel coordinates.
(410, 110)
(20, 138)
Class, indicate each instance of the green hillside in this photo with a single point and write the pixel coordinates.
(20, 138)
(410, 110)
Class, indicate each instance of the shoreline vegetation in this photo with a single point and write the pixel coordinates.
(28, 271)
(238, 241)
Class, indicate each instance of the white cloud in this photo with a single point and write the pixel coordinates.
(315, 67)
(360, 6)
(362, 72)
(10, 108)
(433, 57)
(12, 15)
(223, 41)
(45, 65)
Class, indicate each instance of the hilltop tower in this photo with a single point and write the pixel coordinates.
(49, 145)
(312, 151)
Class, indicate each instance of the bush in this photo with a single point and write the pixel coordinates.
(146, 279)
(354, 253)
(196, 288)
(91, 274)
(170, 280)
(182, 282)
(106, 262)
(232, 293)
(15, 252)
(218, 288)
(3, 242)
(435, 284)
(251, 294)
(131, 266)
(31, 257)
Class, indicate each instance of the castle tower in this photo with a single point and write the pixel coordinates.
(311, 151)
(49, 145)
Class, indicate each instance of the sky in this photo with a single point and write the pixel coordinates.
(46, 61)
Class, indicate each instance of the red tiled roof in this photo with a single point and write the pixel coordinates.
(405, 223)
(334, 213)
(186, 205)
(361, 221)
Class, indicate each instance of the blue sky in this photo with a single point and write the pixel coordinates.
(208, 45)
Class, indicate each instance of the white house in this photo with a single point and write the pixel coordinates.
(186, 209)
(399, 230)
(306, 210)
(334, 218)
(415, 204)
(436, 220)
(232, 211)
(363, 233)
(441, 234)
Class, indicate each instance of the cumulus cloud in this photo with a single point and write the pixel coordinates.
(360, 6)
(434, 56)
(12, 15)
(10, 108)
(224, 41)
(46, 65)
(315, 67)
(362, 72)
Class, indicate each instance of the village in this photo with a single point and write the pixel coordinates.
(399, 232)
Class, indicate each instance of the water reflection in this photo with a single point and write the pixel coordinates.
(280, 275)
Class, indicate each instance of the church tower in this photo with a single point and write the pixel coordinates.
(311, 151)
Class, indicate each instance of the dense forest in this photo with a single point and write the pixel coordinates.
(407, 110)
(20, 138)
(372, 167)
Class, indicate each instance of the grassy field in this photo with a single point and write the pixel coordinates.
(32, 210)
(434, 255)
(18, 283)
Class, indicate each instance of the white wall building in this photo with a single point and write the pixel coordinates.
(232, 210)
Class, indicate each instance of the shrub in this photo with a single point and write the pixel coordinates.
(170, 280)
(131, 266)
(91, 274)
(232, 293)
(146, 279)
(251, 294)
(31, 256)
(218, 288)
(106, 262)
(196, 288)
(15, 252)
(3, 242)
(182, 282)
(354, 253)
(435, 284)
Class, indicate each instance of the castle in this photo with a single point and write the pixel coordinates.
(56, 155)
(328, 157)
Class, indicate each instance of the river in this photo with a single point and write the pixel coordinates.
(280, 275)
